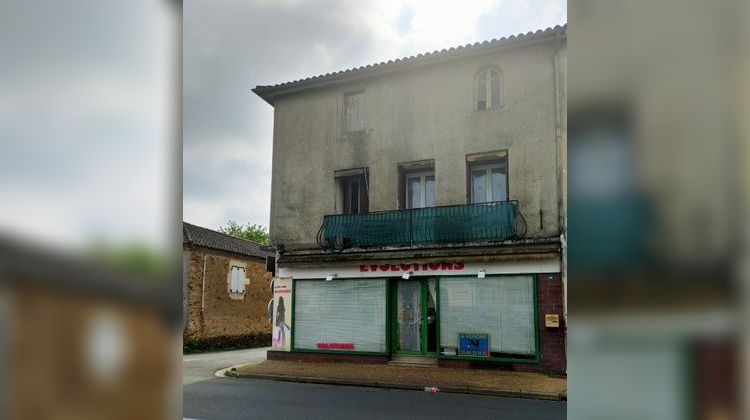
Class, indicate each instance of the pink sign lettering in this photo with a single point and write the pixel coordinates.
(455, 266)
(335, 346)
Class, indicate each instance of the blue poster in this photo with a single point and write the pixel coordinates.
(474, 344)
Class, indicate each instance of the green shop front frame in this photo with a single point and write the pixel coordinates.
(414, 318)
(426, 310)
(520, 359)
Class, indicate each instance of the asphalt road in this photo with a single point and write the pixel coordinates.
(208, 397)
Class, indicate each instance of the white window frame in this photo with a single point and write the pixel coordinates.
(488, 181)
(423, 188)
(237, 279)
(489, 104)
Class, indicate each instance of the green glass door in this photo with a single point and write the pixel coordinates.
(414, 317)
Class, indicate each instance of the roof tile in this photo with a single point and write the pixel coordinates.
(200, 236)
(267, 91)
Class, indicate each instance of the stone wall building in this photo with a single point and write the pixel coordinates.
(84, 340)
(418, 208)
(226, 288)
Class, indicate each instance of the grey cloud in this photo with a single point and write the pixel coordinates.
(83, 117)
(231, 46)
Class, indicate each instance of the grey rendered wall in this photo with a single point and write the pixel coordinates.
(422, 113)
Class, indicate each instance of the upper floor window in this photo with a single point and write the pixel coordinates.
(488, 177)
(354, 114)
(420, 190)
(353, 191)
(487, 88)
(416, 184)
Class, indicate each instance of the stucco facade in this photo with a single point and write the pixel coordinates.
(418, 209)
(425, 112)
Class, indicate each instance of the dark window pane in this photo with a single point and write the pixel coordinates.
(429, 192)
(354, 205)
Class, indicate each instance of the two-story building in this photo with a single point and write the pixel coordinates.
(418, 208)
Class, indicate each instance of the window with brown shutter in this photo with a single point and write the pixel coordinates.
(354, 191)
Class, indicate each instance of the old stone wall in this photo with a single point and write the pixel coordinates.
(215, 311)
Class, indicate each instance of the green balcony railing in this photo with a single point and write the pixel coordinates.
(462, 223)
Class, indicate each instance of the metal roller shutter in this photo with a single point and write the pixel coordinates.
(340, 315)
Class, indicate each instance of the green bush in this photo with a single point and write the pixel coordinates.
(233, 342)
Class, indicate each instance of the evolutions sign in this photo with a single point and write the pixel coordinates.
(369, 269)
(459, 266)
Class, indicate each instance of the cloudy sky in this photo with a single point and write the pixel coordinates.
(231, 46)
(86, 120)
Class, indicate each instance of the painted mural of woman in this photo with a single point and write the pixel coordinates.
(280, 329)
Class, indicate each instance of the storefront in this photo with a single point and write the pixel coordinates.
(447, 310)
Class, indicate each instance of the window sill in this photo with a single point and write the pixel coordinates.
(357, 135)
(237, 296)
(496, 108)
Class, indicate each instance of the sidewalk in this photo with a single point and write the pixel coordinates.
(468, 381)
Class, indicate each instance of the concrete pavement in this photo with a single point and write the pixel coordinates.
(200, 367)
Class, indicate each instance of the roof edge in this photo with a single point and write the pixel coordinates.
(270, 92)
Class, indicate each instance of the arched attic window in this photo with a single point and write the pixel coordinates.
(487, 88)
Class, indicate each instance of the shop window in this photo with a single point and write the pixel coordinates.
(354, 114)
(340, 315)
(487, 88)
(501, 307)
(416, 184)
(487, 177)
(353, 191)
(237, 279)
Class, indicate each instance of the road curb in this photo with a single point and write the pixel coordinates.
(396, 385)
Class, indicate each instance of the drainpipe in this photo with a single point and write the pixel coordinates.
(561, 178)
(203, 284)
(561, 165)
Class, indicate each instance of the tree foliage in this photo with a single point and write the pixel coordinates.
(134, 257)
(255, 233)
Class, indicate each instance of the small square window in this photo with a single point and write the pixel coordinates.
(237, 280)
(354, 112)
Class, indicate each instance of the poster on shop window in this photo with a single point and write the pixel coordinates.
(474, 344)
(282, 312)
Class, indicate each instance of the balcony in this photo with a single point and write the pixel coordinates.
(494, 221)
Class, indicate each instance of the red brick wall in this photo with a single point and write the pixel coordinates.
(325, 357)
(551, 340)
